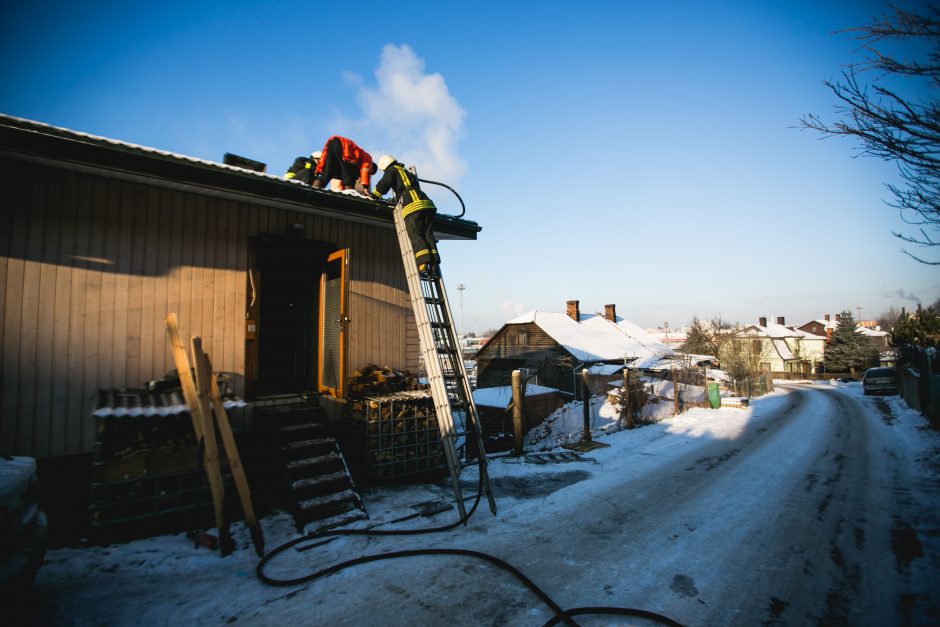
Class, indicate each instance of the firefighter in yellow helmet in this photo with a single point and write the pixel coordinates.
(417, 210)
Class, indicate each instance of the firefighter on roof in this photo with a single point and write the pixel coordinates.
(302, 169)
(342, 159)
(417, 210)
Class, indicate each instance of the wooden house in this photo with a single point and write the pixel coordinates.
(290, 288)
(556, 347)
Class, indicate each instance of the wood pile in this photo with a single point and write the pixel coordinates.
(375, 380)
(400, 432)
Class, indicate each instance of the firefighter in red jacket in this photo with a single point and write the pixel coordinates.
(342, 159)
(417, 210)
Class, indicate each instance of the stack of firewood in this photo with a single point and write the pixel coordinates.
(373, 380)
(401, 432)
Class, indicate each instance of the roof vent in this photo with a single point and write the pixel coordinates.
(244, 163)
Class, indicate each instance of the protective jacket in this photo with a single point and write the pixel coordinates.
(417, 210)
(406, 188)
(351, 153)
(301, 169)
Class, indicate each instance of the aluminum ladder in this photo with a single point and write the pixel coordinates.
(456, 412)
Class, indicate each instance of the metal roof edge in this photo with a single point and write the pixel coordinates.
(56, 146)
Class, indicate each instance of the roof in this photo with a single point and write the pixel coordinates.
(502, 396)
(595, 338)
(667, 362)
(64, 148)
(779, 331)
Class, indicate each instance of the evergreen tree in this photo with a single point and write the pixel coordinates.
(848, 350)
(921, 328)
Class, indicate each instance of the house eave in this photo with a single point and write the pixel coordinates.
(25, 140)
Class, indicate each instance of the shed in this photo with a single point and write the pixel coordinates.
(290, 288)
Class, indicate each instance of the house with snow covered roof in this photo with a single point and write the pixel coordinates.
(880, 340)
(556, 347)
(785, 349)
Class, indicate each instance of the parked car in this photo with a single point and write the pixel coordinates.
(880, 381)
(23, 530)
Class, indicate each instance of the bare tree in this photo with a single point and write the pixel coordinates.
(892, 126)
(743, 357)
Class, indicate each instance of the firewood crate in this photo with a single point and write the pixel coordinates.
(399, 434)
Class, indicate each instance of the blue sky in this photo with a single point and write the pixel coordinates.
(637, 153)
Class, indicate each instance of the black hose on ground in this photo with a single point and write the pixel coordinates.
(560, 614)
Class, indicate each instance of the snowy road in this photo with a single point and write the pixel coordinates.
(815, 506)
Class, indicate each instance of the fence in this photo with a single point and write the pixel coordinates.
(919, 381)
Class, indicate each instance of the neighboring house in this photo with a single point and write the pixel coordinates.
(879, 340)
(785, 349)
(558, 346)
(290, 288)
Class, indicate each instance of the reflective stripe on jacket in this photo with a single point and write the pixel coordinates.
(406, 188)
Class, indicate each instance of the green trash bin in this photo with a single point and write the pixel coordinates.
(714, 397)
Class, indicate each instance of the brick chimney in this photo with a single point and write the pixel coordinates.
(838, 317)
(573, 311)
(610, 312)
(762, 321)
(780, 321)
(826, 317)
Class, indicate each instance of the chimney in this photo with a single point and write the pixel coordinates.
(838, 317)
(780, 321)
(762, 321)
(573, 312)
(610, 312)
(826, 317)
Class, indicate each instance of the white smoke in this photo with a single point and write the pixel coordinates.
(411, 115)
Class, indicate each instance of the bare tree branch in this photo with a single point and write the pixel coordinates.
(890, 126)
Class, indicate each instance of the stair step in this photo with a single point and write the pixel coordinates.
(319, 480)
(310, 462)
(302, 427)
(308, 443)
(303, 432)
(343, 496)
(335, 521)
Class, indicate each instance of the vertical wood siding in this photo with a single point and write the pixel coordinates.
(90, 266)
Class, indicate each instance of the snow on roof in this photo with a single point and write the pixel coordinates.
(604, 369)
(594, 337)
(783, 349)
(666, 362)
(502, 396)
(774, 330)
(97, 139)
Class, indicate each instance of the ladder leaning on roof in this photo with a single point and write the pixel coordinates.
(443, 360)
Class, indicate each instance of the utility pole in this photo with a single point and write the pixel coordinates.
(460, 288)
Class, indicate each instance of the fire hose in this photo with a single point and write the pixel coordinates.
(560, 614)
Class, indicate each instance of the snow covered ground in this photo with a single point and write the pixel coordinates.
(166, 581)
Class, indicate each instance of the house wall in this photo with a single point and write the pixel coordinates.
(91, 264)
(523, 346)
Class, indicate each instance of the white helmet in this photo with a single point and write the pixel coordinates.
(385, 161)
(316, 155)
